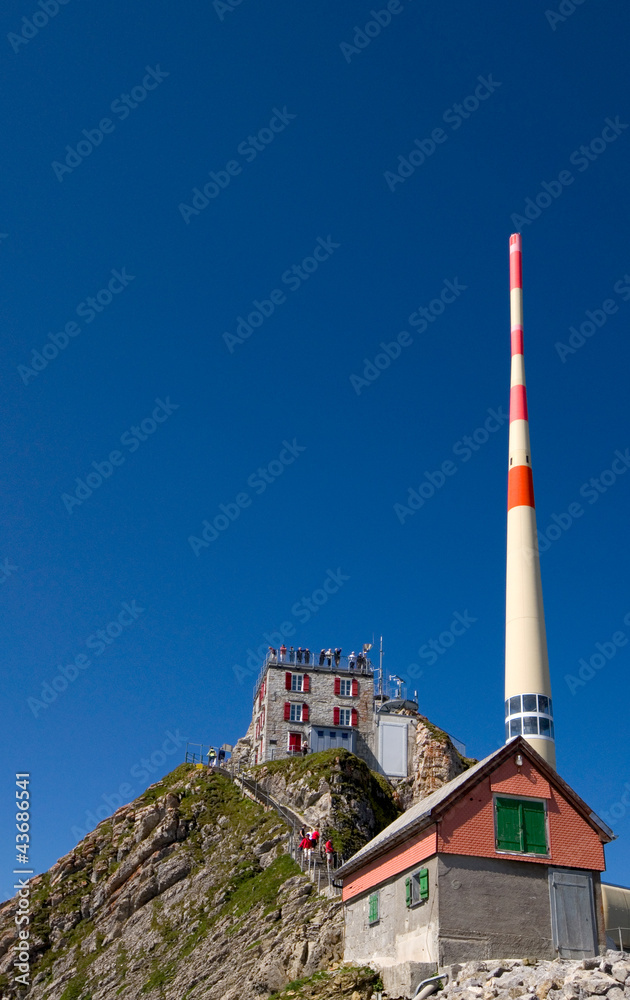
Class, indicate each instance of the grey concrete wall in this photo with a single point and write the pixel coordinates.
(492, 908)
(402, 935)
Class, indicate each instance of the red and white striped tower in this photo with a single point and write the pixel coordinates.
(528, 706)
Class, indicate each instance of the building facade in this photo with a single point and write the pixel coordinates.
(300, 707)
(503, 860)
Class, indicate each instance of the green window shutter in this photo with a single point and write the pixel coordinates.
(373, 911)
(408, 891)
(534, 827)
(509, 825)
(423, 877)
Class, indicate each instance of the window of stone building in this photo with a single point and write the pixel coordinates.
(296, 682)
(521, 826)
(296, 713)
(344, 716)
(373, 908)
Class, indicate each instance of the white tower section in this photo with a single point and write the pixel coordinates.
(528, 706)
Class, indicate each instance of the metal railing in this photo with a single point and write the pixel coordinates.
(319, 869)
(621, 933)
(199, 753)
(357, 666)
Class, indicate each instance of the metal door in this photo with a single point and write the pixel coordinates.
(572, 914)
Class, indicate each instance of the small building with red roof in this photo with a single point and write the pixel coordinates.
(502, 861)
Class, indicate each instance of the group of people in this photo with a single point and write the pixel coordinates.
(326, 657)
(309, 842)
(213, 757)
(291, 655)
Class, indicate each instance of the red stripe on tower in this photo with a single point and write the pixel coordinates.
(518, 403)
(520, 487)
(516, 259)
(517, 340)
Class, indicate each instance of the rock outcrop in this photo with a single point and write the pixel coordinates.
(188, 891)
(607, 977)
(435, 761)
(335, 791)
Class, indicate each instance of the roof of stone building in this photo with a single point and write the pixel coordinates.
(424, 813)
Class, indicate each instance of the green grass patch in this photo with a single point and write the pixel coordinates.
(75, 989)
(254, 887)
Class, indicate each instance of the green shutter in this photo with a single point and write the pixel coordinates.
(509, 827)
(408, 891)
(423, 879)
(534, 827)
(373, 911)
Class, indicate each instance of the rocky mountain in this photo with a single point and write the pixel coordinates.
(191, 891)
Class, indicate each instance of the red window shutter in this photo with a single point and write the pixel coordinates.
(287, 711)
(335, 716)
(306, 687)
(304, 713)
(355, 717)
(337, 685)
(287, 681)
(355, 687)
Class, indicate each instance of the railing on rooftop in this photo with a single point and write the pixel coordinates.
(342, 664)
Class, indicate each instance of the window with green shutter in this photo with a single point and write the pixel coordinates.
(417, 887)
(534, 827)
(373, 908)
(521, 826)
(423, 883)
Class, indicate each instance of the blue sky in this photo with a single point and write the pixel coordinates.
(213, 219)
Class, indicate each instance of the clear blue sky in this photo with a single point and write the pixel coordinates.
(394, 159)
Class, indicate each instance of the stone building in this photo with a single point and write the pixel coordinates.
(314, 705)
(504, 859)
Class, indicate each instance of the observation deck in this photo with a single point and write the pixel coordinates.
(359, 665)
